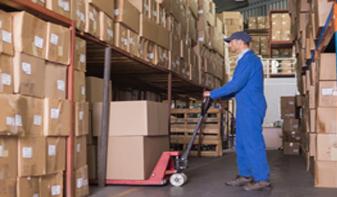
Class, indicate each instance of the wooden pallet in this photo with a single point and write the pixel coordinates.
(183, 123)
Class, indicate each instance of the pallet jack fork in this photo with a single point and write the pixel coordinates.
(171, 164)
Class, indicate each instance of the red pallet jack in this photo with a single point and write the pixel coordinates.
(171, 164)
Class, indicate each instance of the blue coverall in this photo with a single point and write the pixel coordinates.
(247, 87)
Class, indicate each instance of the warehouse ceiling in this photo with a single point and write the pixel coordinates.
(228, 5)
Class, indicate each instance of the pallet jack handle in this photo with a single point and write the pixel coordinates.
(181, 162)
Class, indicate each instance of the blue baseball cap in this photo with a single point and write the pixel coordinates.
(240, 35)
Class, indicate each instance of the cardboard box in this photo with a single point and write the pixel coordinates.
(288, 108)
(8, 158)
(62, 7)
(107, 6)
(58, 44)
(140, 154)
(327, 67)
(128, 15)
(82, 181)
(327, 96)
(12, 115)
(133, 43)
(92, 25)
(57, 117)
(6, 74)
(79, 86)
(163, 57)
(292, 136)
(312, 120)
(78, 14)
(35, 117)
(106, 28)
(30, 34)
(28, 186)
(326, 120)
(81, 118)
(291, 148)
(80, 152)
(56, 81)
(29, 75)
(312, 144)
(312, 96)
(56, 154)
(6, 37)
(321, 10)
(326, 147)
(326, 174)
(92, 162)
(147, 117)
(94, 87)
(252, 22)
(8, 188)
(80, 55)
(40, 2)
(32, 156)
(51, 185)
(291, 124)
(121, 38)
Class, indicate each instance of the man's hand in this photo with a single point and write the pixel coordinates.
(207, 93)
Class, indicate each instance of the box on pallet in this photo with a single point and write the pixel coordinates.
(56, 81)
(281, 27)
(140, 154)
(30, 34)
(321, 10)
(79, 86)
(6, 41)
(82, 181)
(326, 174)
(95, 87)
(80, 152)
(61, 7)
(56, 154)
(51, 185)
(8, 187)
(327, 67)
(58, 44)
(288, 108)
(149, 118)
(327, 95)
(81, 118)
(28, 186)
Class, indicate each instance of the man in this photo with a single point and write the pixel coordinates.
(247, 87)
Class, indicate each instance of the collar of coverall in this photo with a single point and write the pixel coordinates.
(242, 54)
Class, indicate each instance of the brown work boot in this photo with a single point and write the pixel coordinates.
(257, 186)
(239, 181)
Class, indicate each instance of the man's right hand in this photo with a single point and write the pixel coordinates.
(207, 94)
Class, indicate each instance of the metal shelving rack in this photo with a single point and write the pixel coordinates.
(161, 79)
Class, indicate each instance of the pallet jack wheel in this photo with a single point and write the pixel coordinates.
(178, 179)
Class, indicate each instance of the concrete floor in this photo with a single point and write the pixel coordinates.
(207, 177)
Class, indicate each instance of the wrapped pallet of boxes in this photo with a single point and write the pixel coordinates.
(142, 142)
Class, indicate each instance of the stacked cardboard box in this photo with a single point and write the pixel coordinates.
(291, 126)
(142, 142)
(281, 27)
(258, 22)
(36, 117)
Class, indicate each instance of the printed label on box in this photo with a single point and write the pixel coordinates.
(81, 115)
(10, 121)
(327, 91)
(66, 6)
(54, 39)
(117, 12)
(6, 79)
(26, 68)
(37, 120)
(82, 58)
(54, 113)
(83, 90)
(36, 195)
(6, 36)
(18, 120)
(51, 150)
(1, 151)
(110, 33)
(56, 190)
(60, 85)
(38, 41)
(78, 148)
(27, 152)
(79, 183)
